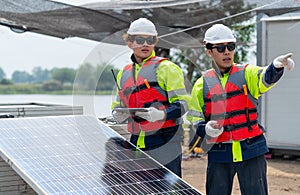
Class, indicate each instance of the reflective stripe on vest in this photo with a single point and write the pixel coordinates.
(143, 93)
(233, 108)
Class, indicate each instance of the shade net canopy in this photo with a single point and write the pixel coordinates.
(179, 23)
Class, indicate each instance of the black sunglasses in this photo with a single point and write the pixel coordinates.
(141, 40)
(221, 48)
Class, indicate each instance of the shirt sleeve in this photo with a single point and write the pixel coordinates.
(195, 114)
(170, 78)
(261, 79)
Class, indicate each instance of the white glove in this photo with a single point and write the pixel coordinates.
(120, 117)
(284, 61)
(152, 114)
(211, 130)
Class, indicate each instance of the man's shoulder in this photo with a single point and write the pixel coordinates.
(168, 64)
(251, 68)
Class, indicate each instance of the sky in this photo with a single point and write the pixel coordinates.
(27, 50)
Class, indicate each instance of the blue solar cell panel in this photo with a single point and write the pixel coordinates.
(81, 155)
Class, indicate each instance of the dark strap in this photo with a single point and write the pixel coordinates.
(156, 104)
(134, 89)
(151, 84)
(229, 128)
(129, 90)
(223, 96)
(231, 114)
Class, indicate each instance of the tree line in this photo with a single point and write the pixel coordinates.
(86, 77)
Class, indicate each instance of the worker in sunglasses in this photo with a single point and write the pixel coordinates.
(224, 113)
(156, 85)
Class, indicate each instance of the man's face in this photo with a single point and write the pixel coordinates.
(222, 54)
(142, 46)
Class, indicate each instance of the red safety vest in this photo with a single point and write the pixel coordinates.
(234, 108)
(143, 93)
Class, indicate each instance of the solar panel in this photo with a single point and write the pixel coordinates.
(81, 155)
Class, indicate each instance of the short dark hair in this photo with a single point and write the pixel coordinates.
(208, 46)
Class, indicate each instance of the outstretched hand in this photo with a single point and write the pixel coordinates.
(284, 61)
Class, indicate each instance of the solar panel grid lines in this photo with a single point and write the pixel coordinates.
(80, 155)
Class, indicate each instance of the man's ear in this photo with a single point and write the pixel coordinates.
(208, 52)
(129, 44)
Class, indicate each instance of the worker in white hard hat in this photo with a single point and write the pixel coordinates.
(224, 112)
(153, 89)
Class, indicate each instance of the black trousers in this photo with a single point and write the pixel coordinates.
(251, 176)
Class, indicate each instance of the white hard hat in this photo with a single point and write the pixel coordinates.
(142, 26)
(219, 33)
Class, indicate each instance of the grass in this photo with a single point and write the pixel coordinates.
(38, 89)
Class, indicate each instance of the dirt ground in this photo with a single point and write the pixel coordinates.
(283, 175)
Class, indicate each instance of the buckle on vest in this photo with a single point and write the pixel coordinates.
(129, 90)
(228, 115)
(216, 97)
(228, 128)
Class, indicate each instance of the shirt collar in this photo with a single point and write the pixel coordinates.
(145, 60)
(220, 73)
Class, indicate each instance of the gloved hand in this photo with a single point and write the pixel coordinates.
(284, 61)
(152, 114)
(212, 129)
(119, 116)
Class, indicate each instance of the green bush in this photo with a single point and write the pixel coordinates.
(19, 89)
(5, 81)
(52, 86)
